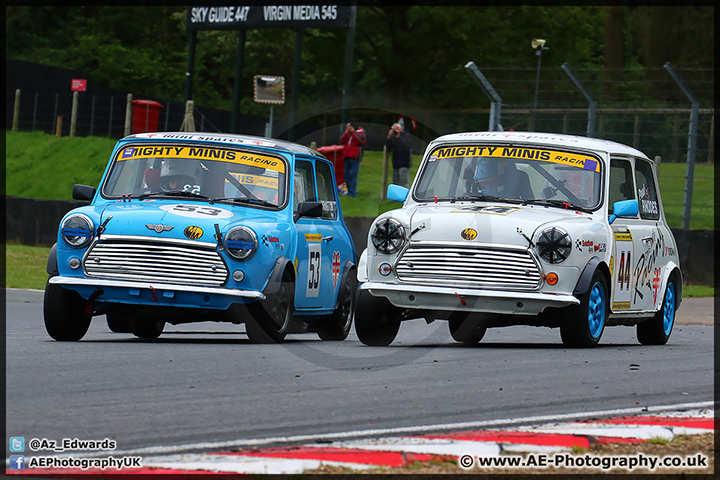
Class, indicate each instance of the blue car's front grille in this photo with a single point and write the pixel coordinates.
(180, 263)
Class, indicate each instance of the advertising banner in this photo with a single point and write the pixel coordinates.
(267, 16)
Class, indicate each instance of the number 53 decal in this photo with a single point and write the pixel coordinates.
(314, 263)
(195, 211)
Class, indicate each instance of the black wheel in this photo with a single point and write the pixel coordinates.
(585, 323)
(119, 322)
(337, 326)
(270, 318)
(146, 327)
(64, 314)
(465, 329)
(657, 330)
(377, 321)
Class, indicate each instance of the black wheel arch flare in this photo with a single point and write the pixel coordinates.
(583, 283)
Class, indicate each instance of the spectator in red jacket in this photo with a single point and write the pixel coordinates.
(352, 140)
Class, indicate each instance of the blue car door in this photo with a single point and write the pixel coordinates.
(338, 244)
(313, 261)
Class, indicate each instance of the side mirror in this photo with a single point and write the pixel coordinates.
(83, 192)
(626, 208)
(397, 193)
(308, 209)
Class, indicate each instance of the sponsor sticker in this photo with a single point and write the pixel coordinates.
(469, 234)
(553, 156)
(622, 233)
(580, 244)
(271, 240)
(656, 284)
(193, 233)
(335, 268)
(202, 153)
(313, 237)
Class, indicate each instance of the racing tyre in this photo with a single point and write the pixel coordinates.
(337, 326)
(270, 318)
(377, 321)
(119, 323)
(146, 328)
(657, 330)
(586, 322)
(465, 330)
(64, 314)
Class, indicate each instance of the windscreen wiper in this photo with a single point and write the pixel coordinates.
(484, 198)
(176, 193)
(252, 200)
(556, 203)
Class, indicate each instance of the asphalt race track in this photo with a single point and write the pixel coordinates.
(202, 384)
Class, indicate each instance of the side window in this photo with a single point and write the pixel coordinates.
(647, 194)
(304, 186)
(621, 182)
(326, 190)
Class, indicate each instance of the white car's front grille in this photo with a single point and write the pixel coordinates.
(470, 266)
(156, 262)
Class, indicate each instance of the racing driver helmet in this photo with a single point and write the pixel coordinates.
(487, 178)
(176, 173)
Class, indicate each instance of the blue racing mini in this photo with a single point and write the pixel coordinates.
(190, 227)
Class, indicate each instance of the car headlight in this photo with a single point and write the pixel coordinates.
(554, 245)
(388, 236)
(77, 230)
(241, 243)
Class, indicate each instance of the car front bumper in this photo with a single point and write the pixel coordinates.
(160, 294)
(424, 297)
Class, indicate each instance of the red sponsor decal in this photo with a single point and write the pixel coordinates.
(335, 267)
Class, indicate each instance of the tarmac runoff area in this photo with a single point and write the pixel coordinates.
(697, 311)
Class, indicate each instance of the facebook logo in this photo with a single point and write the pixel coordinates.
(17, 462)
(17, 444)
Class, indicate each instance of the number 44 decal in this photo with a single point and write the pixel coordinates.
(624, 256)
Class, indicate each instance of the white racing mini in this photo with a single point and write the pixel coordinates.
(514, 228)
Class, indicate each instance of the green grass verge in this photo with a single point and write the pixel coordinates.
(25, 268)
(369, 201)
(38, 165)
(671, 177)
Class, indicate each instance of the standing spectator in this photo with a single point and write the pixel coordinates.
(399, 142)
(352, 140)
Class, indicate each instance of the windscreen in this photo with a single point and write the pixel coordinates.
(217, 173)
(495, 172)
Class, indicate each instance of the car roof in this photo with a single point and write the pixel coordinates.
(540, 138)
(227, 138)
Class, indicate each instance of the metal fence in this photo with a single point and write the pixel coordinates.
(102, 116)
(653, 110)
